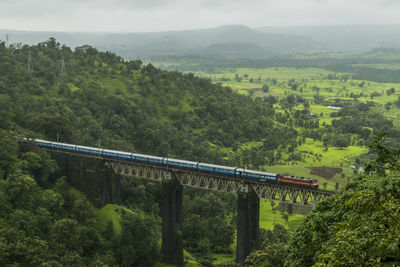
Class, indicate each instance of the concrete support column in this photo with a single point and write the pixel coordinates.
(106, 191)
(64, 165)
(248, 237)
(116, 189)
(111, 191)
(171, 212)
(100, 184)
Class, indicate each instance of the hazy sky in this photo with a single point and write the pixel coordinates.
(160, 15)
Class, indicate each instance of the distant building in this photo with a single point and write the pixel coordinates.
(332, 107)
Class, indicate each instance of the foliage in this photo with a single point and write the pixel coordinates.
(206, 227)
(42, 223)
(385, 158)
(278, 234)
(273, 255)
(137, 244)
(358, 226)
(274, 248)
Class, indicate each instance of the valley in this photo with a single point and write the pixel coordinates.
(317, 114)
(324, 93)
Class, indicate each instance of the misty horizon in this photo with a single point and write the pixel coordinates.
(177, 15)
(204, 28)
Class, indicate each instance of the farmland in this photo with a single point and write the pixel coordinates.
(333, 87)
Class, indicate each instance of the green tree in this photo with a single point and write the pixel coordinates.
(324, 184)
(290, 208)
(8, 154)
(358, 226)
(341, 141)
(137, 243)
(265, 88)
(285, 217)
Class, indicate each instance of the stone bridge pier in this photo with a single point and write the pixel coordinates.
(248, 209)
(248, 234)
(171, 212)
(101, 184)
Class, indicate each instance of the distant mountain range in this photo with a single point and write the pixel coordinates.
(345, 37)
(226, 42)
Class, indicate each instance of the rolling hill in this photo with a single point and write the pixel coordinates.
(345, 37)
(225, 42)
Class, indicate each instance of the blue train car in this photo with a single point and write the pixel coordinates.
(167, 162)
(218, 169)
(88, 150)
(139, 158)
(68, 147)
(154, 160)
(42, 143)
(56, 146)
(116, 154)
(262, 176)
(185, 164)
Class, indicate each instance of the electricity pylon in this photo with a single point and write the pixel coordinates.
(63, 70)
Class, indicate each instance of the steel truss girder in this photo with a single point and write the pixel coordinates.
(139, 170)
(273, 191)
(284, 193)
(210, 182)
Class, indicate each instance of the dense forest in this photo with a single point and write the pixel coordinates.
(87, 97)
(126, 105)
(43, 222)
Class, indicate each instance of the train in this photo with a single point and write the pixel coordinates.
(179, 164)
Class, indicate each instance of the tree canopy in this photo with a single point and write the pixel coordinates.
(359, 226)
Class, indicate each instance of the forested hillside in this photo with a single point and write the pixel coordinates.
(99, 99)
(126, 105)
(224, 42)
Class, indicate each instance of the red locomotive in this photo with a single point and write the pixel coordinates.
(297, 180)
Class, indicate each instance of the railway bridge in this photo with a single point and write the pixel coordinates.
(174, 179)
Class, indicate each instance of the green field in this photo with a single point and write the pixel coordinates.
(270, 216)
(310, 81)
(328, 82)
(111, 213)
(379, 66)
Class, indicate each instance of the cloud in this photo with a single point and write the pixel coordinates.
(159, 15)
(125, 4)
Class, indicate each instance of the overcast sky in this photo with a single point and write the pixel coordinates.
(161, 15)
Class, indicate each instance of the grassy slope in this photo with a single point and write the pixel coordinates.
(113, 213)
(334, 157)
(110, 212)
(270, 216)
